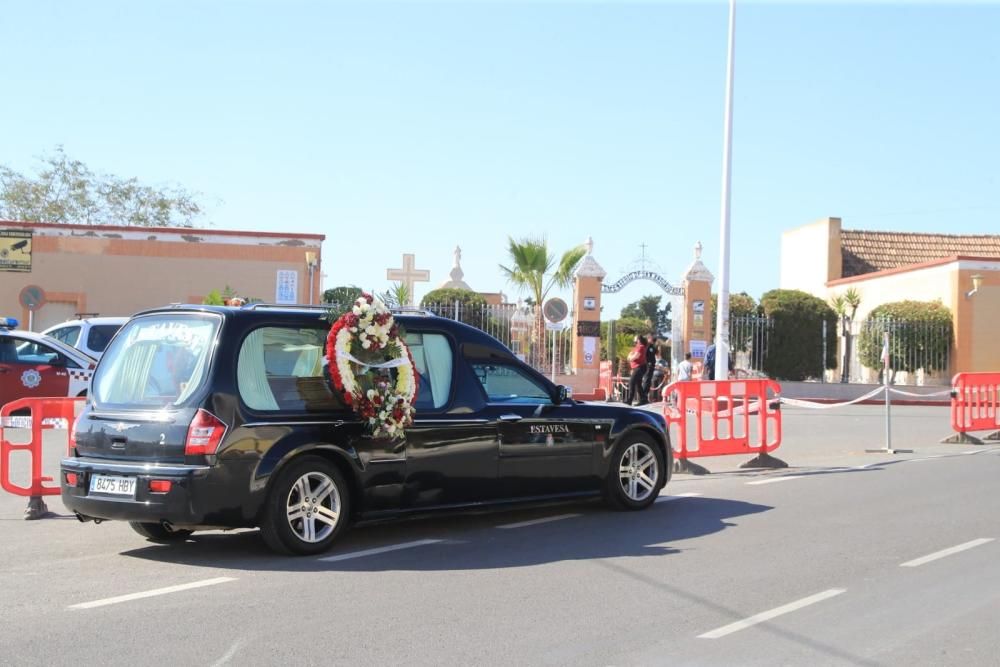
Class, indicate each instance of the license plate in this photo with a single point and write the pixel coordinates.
(115, 486)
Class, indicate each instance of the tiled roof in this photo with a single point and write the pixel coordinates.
(867, 252)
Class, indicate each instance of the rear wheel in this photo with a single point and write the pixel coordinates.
(636, 474)
(307, 508)
(155, 532)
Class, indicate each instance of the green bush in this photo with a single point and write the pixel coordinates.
(795, 340)
(472, 305)
(920, 335)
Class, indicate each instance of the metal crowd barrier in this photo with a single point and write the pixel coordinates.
(46, 414)
(714, 418)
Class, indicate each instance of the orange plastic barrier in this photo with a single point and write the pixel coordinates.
(712, 418)
(975, 402)
(46, 413)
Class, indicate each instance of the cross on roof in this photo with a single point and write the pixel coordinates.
(408, 275)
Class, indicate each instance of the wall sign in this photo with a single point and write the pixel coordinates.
(15, 250)
(287, 287)
(589, 303)
(588, 329)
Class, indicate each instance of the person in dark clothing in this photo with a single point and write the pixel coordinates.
(636, 362)
(647, 379)
(710, 362)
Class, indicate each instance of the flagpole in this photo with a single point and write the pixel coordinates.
(722, 316)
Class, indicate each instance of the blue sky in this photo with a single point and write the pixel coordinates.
(413, 127)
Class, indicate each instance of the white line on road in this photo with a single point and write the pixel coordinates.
(773, 613)
(534, 522)
(772, 480)
(378, 550)
(152, 593)
(946, 552)
(667, 499)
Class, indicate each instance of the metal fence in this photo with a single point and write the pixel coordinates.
(919, 352)
(521, 328)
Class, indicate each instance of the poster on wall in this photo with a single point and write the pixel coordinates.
(287, 288)
(698, 306)
(698, 349)
(589, 349)
(15, 250)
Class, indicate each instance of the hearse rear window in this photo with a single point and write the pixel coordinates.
(283, 369)
(158, 361)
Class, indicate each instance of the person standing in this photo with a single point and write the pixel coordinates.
(685, 368)
(647, 379)
(710, 362)
(636, 362)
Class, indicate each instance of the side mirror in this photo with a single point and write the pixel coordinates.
(563, 394)
(58, 361)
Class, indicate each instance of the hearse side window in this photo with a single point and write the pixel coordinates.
(504, 383)
(282, 369)
(434, 361)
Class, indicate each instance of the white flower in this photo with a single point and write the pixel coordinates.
(366, 344)
(356, 310)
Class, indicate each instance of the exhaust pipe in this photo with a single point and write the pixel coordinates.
(83, 518)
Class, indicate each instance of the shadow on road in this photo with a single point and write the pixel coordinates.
(473, 542)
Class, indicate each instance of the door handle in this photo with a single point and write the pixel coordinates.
(511, 418)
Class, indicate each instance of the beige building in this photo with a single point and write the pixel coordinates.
(826, 260)
(105, 270)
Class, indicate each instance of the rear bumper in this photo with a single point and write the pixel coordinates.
(191, 501)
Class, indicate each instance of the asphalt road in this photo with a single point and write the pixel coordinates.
(845, 558)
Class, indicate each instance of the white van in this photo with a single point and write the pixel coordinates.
(91, 335)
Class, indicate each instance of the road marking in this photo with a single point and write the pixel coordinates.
(667, 499)
(152, 593)
(378, 550)
(773, 613)
(924, 458)
(772, 480)
(534, 522)
(946, 552)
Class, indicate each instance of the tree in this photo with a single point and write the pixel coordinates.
(741, 305)
(344, 295)
(471, 305)
(794, 348)
(846, 307)
(648, 308)
(533, 269)
(216, 298)
(66, 190)
(396, 296)
(920, 336)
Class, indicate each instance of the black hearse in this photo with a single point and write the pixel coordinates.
(206, 417)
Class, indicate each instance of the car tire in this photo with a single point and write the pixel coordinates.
(155, 532)
(307, 508)
(634, 479)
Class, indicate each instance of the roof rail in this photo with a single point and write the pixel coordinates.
(285, 306)
(412, 310)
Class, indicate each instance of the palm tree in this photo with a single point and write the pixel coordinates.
(849, 300)
(534, 269)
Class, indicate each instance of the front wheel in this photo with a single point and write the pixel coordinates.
(307, 508)
(636, 473)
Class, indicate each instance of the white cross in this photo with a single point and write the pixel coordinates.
(408, 275)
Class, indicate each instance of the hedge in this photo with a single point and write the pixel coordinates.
(920, 336)
(795, 340)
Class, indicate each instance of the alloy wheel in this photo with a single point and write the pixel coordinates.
(313, 507)
(639, 472)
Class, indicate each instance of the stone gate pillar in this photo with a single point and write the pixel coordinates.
(696, 318)
(587, 319)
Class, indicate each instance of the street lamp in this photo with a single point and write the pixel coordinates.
(977, 281)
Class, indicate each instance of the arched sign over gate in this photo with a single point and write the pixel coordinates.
(642, 275)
